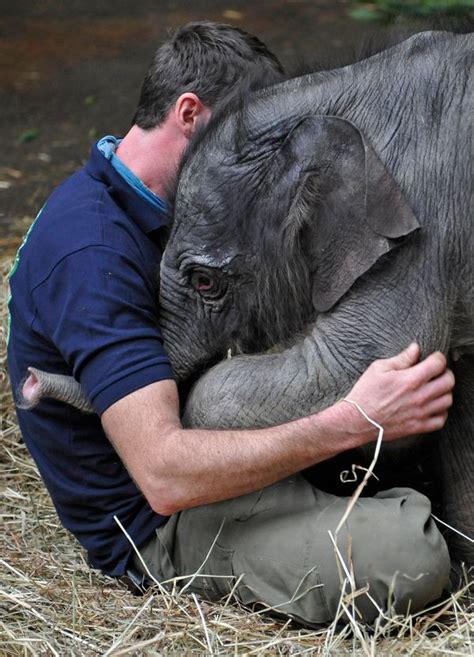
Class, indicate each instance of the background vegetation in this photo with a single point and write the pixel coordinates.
(389, 10)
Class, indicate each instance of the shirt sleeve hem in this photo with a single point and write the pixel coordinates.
(131, 383)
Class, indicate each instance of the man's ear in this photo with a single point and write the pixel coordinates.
(190, 112)
(345, 204)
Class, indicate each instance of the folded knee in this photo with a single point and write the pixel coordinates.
(422, 573)
(413, 564)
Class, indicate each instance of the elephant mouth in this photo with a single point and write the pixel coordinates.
(187, 375)
(188, 378)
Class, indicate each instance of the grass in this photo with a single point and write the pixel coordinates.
(52, 603)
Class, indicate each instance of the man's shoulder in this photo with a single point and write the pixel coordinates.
(78, 193)
(73, 216)
(80, 213)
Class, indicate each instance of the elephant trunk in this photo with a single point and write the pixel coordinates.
(39, 385)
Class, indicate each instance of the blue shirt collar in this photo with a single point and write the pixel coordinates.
(107, 146)
(144, 207)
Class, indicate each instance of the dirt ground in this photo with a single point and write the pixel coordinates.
(70, 72)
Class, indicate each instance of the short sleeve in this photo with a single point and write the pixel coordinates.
(99, 308)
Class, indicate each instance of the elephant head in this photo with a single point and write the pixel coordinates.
(274, 221)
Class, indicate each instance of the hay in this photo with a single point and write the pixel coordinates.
(51, 603)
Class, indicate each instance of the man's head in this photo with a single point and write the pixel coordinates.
(208, 60)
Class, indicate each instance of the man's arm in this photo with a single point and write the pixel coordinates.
(179, 468)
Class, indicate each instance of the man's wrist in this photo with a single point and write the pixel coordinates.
(343, 427)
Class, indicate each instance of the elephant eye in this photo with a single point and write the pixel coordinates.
(202, 282)
(208, 284)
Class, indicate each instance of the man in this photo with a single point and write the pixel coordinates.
(84, 303)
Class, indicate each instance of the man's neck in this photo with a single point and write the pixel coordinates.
(152, 155)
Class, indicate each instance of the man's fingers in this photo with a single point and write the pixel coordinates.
(438, 406)
(404, 359)
(429, 368)
(434, 423)
(437, 387)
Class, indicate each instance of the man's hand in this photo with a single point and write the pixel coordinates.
(403, 395)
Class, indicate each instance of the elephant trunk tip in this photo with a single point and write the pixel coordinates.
(39, 385)
(31, 390)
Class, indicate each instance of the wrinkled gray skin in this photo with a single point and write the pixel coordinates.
(333, 217)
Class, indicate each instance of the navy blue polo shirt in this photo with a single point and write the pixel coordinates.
(84, 303)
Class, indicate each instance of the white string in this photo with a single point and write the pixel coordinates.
(369, 471)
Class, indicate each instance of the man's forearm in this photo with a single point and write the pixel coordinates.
(179, 468)
(204, 466)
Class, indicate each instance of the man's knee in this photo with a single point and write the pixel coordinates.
(422, 563)
(397, 555)
(390, 543)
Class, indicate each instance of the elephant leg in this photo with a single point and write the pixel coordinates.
(262, 390)
(456, 464)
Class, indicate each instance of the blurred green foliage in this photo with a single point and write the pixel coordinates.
(387, 10)
(30, 134)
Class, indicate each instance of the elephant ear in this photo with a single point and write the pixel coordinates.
(353, 208)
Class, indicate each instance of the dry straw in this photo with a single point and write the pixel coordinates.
(51, 603)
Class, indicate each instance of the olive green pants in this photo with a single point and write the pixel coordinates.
(273, 548)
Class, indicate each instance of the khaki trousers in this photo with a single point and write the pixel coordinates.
(272, 548)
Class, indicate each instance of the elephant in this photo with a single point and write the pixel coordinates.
(318, 225)
(321, 224)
